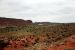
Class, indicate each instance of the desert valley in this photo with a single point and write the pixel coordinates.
(19, 34)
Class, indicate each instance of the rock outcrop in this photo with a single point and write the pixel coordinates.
(12, 21)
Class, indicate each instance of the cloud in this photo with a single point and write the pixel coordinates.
(38, 10)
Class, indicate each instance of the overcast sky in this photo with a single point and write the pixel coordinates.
(39, 10)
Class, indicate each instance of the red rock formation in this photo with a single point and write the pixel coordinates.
(11, 21)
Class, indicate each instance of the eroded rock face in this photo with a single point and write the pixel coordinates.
(11, 21)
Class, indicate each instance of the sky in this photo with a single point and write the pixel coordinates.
(39, 10)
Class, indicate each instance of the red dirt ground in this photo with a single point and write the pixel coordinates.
(69, 44)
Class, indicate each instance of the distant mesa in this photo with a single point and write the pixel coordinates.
(13, 21)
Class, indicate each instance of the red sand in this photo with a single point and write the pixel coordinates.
(68, 44)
